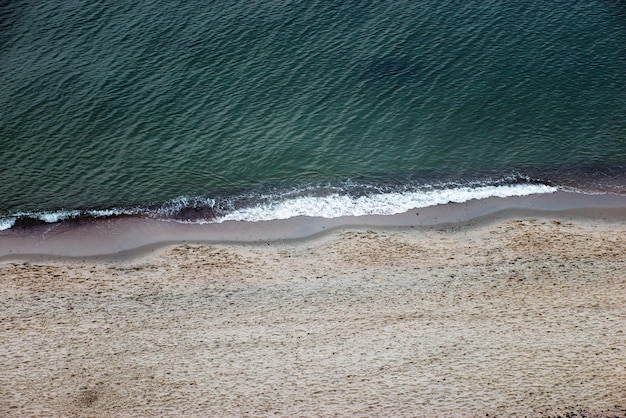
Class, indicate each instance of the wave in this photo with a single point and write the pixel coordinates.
(327, 201)
(336, 205)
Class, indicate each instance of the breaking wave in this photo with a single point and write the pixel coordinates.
(327, 201)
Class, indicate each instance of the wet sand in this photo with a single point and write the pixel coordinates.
(517, 313)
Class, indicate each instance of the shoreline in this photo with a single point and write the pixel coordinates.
(129, 237)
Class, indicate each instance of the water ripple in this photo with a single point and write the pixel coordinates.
(116, 105)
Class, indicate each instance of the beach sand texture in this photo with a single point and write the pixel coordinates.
(521, 317)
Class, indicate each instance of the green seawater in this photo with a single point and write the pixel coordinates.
(117, 104)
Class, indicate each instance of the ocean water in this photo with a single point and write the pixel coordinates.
(205, 111)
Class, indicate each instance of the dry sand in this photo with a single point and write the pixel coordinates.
(515, 317)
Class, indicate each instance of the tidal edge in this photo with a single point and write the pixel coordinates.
(125, 238)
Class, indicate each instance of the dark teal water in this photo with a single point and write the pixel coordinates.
(201, 108)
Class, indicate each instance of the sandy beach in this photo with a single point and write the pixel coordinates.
(516, 315)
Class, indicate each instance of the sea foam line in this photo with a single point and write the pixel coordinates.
(337, 205)
(329, 206)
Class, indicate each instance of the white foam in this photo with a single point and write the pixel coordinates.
(179, 203)
(105, 213)
(6, 223)
(52, 217)
(337, 205)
